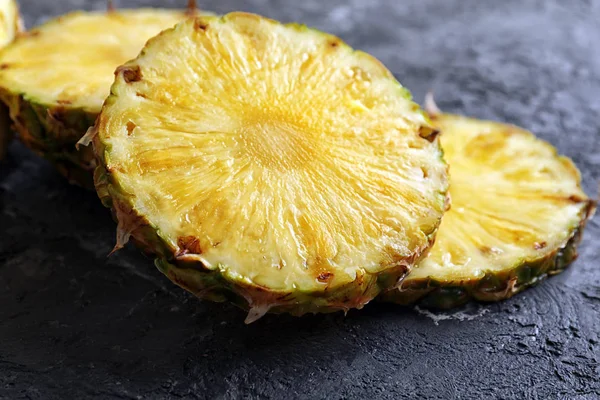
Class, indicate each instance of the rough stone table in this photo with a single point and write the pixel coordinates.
(74, 324)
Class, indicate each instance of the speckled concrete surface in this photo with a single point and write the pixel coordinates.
(74, 324)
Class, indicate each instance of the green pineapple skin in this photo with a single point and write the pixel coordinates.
(213, 285)
(444, 295)
(6, 134)
(52, 132)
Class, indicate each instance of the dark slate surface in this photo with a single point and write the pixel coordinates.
(75, 324)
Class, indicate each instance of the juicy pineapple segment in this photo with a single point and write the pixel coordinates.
(269, 164)
(517, 214)
(10, 25)
(56, 77)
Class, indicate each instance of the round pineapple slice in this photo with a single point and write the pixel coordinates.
(10, 25)
(270, 165)
(55, 78)
(517, 215)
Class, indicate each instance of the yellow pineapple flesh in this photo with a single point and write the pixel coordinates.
(270, 163)
(71, 60)
(55, 78)
(517, 215)
(10, 21)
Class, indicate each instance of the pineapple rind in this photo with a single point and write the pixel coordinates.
(497, 286)
(52, 132)
(219, 284)
(216, 285)
(6, 134)
(444, 293)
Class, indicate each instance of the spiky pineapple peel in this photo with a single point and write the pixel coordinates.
(56, 77)
(518, 212)
(270, 165)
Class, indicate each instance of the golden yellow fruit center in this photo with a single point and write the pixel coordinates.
(276, 144)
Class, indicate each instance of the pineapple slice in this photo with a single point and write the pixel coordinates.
(55, 78)
(517, 215)
(269, 165)
(10, 21)
(10, 26)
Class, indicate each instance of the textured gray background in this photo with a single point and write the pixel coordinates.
(75, 324)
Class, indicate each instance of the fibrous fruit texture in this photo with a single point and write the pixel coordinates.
(517, 215)
(269, 165)
(55, 78)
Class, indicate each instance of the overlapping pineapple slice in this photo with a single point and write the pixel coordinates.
(270, 165)
(517, 215)
(55, 78)
(10, 25)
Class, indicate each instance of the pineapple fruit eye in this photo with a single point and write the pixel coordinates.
(270, 165)
(55, 78)
(517, 214)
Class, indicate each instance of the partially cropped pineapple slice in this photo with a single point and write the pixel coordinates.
(10, 25)
(56, 77)
(270, 165)
(10, 21)
(517, 215)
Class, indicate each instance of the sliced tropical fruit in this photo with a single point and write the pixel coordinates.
(55, 78)
(517, 215)
(10, 21)
(269, 165)
(10, 26)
